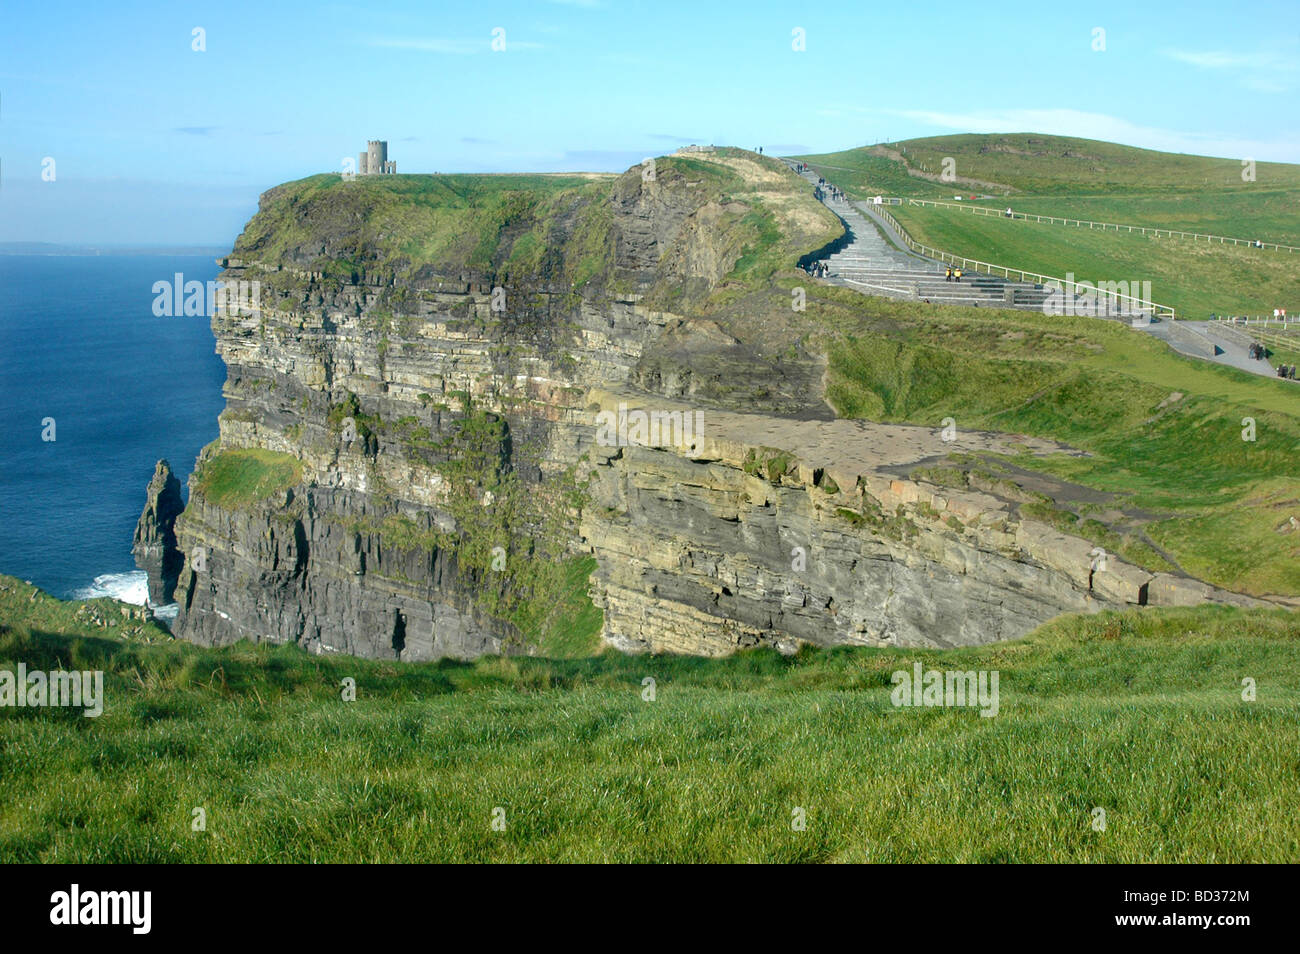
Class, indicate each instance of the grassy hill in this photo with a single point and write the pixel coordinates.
(1139, 714)
(1097, 181)
(1038, 164)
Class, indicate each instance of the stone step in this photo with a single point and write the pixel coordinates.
(874, 264)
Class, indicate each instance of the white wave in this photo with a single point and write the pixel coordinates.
(132, 587)
(167, 611)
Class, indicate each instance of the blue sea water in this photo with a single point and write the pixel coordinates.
(79, 343)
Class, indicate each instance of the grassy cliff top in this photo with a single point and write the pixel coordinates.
(751, 213)
(405, 222)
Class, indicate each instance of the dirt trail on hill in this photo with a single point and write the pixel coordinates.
(934, 177)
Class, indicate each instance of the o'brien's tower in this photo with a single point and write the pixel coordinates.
(374, 161)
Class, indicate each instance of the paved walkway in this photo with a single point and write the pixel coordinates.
(1227, 348)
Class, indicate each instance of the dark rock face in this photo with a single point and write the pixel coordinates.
(154, 545)
(305, 576)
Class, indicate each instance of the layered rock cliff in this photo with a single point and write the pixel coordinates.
(416, 455)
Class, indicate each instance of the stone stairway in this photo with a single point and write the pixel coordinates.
(876, 261)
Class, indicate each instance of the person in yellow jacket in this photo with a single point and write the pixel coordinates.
(957, 275)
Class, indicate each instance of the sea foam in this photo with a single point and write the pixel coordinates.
(132, 587)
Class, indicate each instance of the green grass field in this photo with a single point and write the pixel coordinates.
(1187, 493)
(1195, 278)
(1269, 215)
(1139, 714)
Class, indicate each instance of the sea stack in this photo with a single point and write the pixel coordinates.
(154, 546)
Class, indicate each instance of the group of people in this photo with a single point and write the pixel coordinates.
(824, 189)
(818, 270)
(952, 275)
(1258, 352)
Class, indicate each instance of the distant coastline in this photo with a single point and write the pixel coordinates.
(53, 248)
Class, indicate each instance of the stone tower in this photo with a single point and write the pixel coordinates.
(374, 161)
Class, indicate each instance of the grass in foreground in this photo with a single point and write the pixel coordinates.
(1140, 714)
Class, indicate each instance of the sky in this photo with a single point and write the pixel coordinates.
(116, 128)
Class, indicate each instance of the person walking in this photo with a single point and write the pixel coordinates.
(947, 276)
(956, 276)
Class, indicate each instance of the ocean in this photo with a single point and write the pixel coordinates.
(79, 343)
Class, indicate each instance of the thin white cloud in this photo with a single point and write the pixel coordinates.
(448, 45)
(1261, 72)
(1213, 59)
(432, 44)
(1220, 60)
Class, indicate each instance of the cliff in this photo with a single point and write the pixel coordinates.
(417, 458)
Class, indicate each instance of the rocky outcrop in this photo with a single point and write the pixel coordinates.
(154, 544)
(723, 542)
(314, 569)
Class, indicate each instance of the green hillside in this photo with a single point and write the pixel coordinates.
(1141, 715)
(1039, 164)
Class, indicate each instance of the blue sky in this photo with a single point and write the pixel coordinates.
(156, 143)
